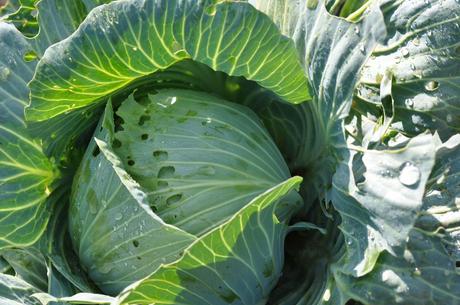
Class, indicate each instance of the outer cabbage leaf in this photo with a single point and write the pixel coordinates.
(332, 51)
(23, 14)
(29, 265)
(26, 179)
(378, 194)
(14, 291)
(57, 19)
(237, 263)
(124, 41)
(426, 273)
(15, 73)
(422, 54)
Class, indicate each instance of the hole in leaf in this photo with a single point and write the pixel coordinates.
(131, 162)
(173, 199)
(135, 243)
(162, 184)
(166, 172)
(30, 56)
(457, 264)
(143, 119)
(160, 155)
(118, 121)
(116, 143)
(96, 151)
(144, 136)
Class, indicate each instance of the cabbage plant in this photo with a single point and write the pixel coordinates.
(216, 152)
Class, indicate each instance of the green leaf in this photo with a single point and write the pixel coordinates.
(5, 267)
(237, 263)
(350, 9)
(426, 273)
(57, 19)
(332, 52)
(15, 73)
(25, 17)
(422, 52)
(26, 179)
(8, 7)
(29, 265)
(125, 41)
(66, 273)
(378, 194)
(14, 291)
(116, 236)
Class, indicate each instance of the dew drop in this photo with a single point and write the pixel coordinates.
(357, 30)
(207, 170)
(404, 52)
(409, 174)
(449, 118)
(173, 100)
(412, 66)
(409, 103)
(106, 268)
(4, 73)
(118, 216)
(208, 121)
(327, 295)
(134, 48)
(211, 10)
(432, 85)
(362, 48)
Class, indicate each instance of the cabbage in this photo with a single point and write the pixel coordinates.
(217, 152)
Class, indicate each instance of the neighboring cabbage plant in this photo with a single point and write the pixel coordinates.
(221, 152)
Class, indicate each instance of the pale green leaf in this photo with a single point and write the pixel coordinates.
(200, 148)
(116, 236)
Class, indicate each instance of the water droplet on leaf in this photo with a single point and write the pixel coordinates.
(4, 73)
(404, 52)
(409, 103)
(409, 174)
(432, 85)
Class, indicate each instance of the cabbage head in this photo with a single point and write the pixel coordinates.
(230, 152)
